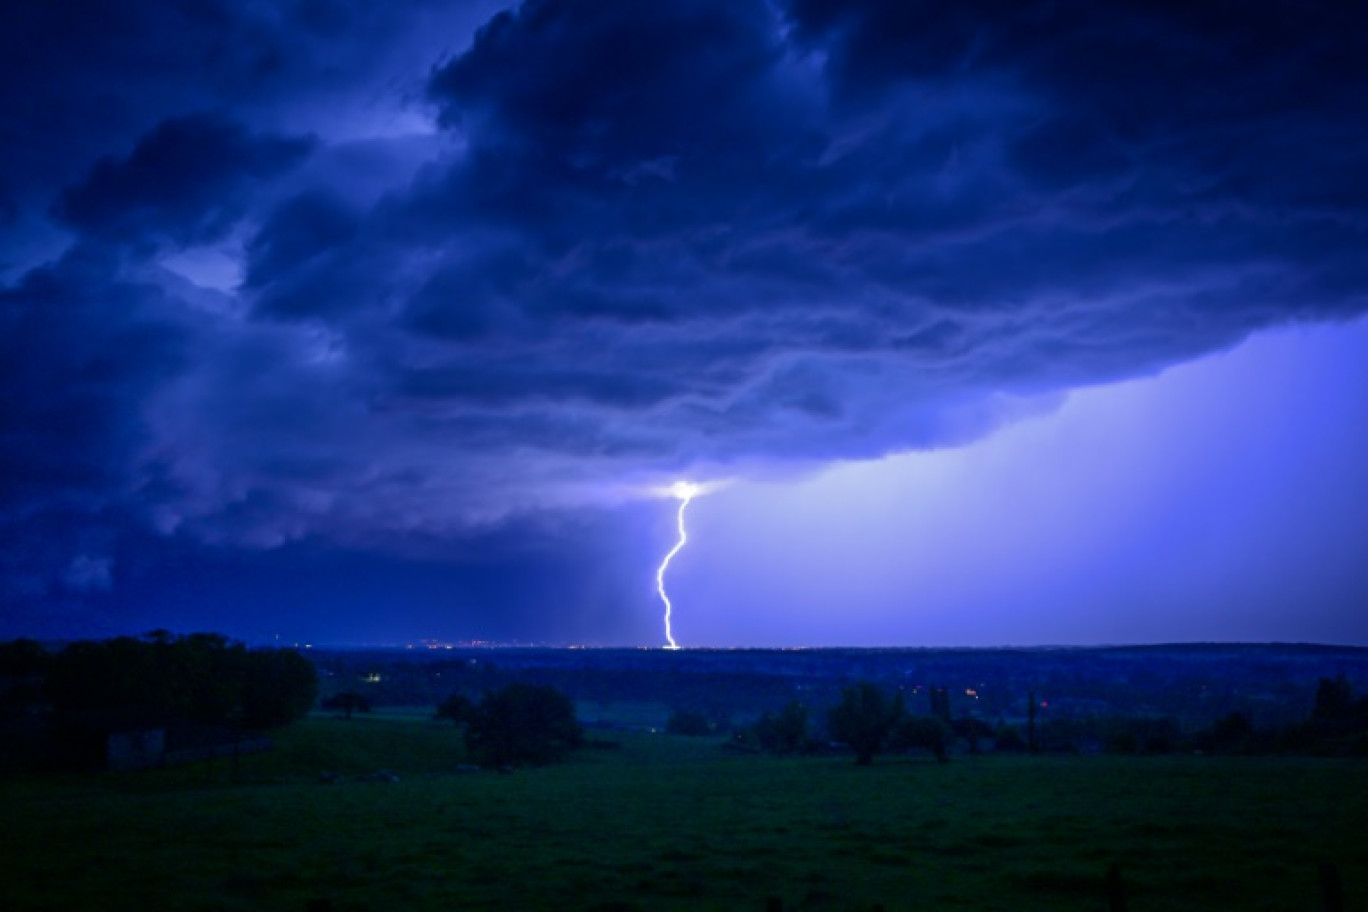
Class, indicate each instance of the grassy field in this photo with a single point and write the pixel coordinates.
(665, 823)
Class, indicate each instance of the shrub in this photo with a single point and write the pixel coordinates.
(523, 724)
(684, 722)
(864, 719)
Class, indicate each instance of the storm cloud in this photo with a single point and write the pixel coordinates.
(322, 272)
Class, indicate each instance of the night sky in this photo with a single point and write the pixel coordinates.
(984, 322)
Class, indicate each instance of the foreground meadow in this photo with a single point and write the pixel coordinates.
(665, 823)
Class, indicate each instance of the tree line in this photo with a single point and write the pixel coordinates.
(868, 720)
(199, 677)
(518, 724)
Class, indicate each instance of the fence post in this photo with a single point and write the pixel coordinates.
(1332, 889)
(1116, 890)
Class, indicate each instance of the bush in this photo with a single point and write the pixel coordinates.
(523, 724)
(1009, 740)
(202, 677)
(347, 702)
(864, 719)
(278, 687)
(684, 722)
(457, 709)
(924, 733)
(784, 732)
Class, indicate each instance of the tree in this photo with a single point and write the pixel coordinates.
(972, 731)
(532, 724)
(204, 672)
(688, 722)
(1334, 700)
(91, 675)
(23, 664)
(347, 702)
(1009, 740)
(784, 732)
(23, 658)
(201, 677)
(864, 719)
(279, 686)
(940, 703)
(456, 708)
(1231, 734)
(923, 732)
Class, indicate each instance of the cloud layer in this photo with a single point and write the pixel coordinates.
(456, 279)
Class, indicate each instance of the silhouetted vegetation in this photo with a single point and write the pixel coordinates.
(1272, 686)
(689, 722)
(973, 732)
(923, 733)
(457, 709)
(1233, 734)
(23, 658)
(784, 732)
(1167, 815)
(278, 687)
(1339, 722)
(1144, 701)
(1008, 740)
(864, 719)
(523, 724)
(347, 702)
(202, 677)
(23, 666)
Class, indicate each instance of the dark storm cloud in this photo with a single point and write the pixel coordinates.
(838, 231)
(81, 349)
(184, 182)
(602, 243)
(84, 80)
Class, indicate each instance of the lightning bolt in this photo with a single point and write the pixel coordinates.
(685, 492)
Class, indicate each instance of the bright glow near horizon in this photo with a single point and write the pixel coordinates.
(684, 490)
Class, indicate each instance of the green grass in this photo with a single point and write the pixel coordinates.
(672, 824)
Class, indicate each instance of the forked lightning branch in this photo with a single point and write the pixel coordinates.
(685, 492)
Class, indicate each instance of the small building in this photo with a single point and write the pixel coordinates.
(140, 747)
(121, 739)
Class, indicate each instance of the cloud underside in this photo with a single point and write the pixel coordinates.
(651, 240)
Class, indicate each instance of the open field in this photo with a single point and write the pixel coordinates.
(667, 823)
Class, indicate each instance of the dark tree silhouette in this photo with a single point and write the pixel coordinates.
(1009, 740)
(523, 724)
(23, 658)
(456, 708)
(972, 731)
(201, 677)
(347, 702)
(923, 733)
(1334, 700)
(940, 703)
(688, 722)
(864, 719)
(23, 665)
(278, 687)
(1231, 734)
(784, 732)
